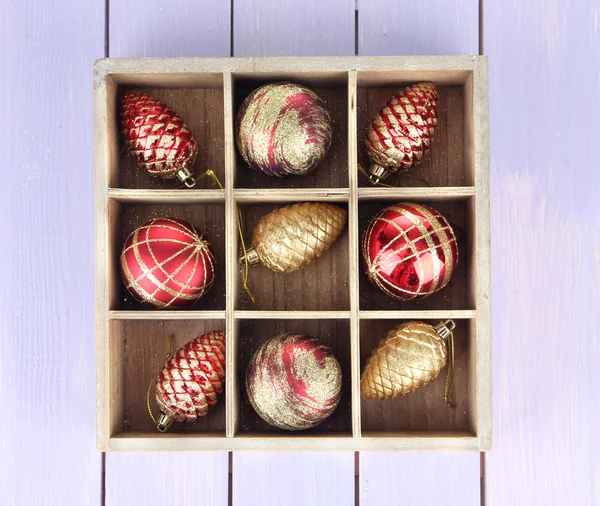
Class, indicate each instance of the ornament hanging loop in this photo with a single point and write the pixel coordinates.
(250, 256)
(164, 422)
(446, 332)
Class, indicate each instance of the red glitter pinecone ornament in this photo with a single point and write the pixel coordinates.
(157, 138)
(167, 263)
(402, 130)
(409, 251)
(191, 380)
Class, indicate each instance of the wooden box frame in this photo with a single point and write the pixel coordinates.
(131, 341)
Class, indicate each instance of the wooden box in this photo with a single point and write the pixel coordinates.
(330, 299)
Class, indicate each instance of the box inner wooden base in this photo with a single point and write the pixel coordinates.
(320, 300)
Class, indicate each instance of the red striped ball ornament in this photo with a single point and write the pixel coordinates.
(409, 251)
(294, 382)
(191, 380)
(402, 131)
(167, 263)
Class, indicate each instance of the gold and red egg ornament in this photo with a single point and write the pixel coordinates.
(409, 251)
(294, 382)
(167, 263)
(402, 131)
(191, 380)
(158, 139)
(283, 129)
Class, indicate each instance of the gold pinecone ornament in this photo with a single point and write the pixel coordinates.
(406, 359)
(291, 237)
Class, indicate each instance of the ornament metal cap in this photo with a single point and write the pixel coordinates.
(444, 329)
(377, 173)
(164, 422)
(251, 257)
(186, 176)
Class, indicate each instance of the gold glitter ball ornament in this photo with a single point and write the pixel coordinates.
(291, 237)
(294, 382)
(406, 359)
(283, 129)
(402, 131)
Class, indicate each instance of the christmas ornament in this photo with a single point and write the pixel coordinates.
(293, 236)
(167, 263)
(409, 251)
(157, 138)
(191, 380)
(402, 130)
(294, 382)
(407, 358)
(283, 129)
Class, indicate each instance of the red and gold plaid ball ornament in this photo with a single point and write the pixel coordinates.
(167, 263)
(283, 129)
(402, 130)
(191, 380)
(294, 382)
(409, 251)
(157, 138)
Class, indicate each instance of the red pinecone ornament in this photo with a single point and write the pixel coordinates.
(167, 263)
(157, 138)
(191, 380)
(403, 130)
(409, 251)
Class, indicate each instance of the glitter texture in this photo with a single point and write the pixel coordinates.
(407, 358)
(283, 129)
(157, 138)
(294, 382)
(192, 379)
(291, 237)
(409, 251)
(403, 129)
(167, 263)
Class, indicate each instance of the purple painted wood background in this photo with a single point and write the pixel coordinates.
(545, 104)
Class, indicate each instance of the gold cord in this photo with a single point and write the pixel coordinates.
(450, 371)
(209, 173)
(167, 356)
(245, 265)
(402, 174)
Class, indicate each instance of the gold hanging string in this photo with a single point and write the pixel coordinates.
(209, 173)
(245, 264)
(167, 356)
(401, 174)
(450, 370)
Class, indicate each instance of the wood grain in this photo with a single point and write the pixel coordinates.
(388, 27)
(289, 28)
(277, 478)
(47, 347)
(176, 28)
(166, 478)
(425, 27)
(546, 262)
(169, 28)
(426, 479)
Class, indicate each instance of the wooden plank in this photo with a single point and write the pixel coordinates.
(47, 295)
(154, 28)
(426, 479)
(169, 28)
(167, 478)
(429, 27)
(546, 267)
(309, 479)
(388, 27)
(292, 28)
(311, 28)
